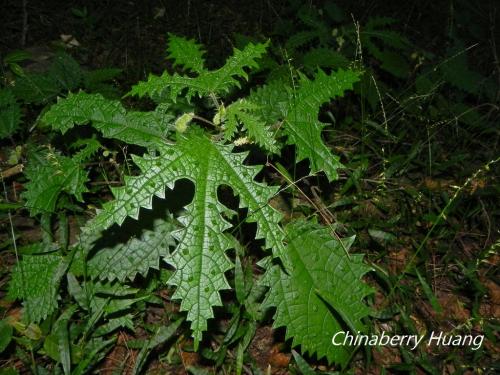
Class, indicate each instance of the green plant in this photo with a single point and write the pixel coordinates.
(10, 113)
(417, 138)
(312, 281)
(41, 88)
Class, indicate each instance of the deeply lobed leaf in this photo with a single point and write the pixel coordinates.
(300, 110)
(186, 53)
(207, 82)
(302, 125)
(199, 258)
(246, 113)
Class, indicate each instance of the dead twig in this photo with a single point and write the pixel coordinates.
(16, 169)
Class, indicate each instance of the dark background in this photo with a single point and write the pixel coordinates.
(132, 34)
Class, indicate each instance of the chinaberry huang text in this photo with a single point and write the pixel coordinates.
(346, 338)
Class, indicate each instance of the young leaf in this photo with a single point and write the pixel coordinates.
(300, 110)
(186, 53)
(207, 82)
(183, 121)
(322, 278)
(244, 112)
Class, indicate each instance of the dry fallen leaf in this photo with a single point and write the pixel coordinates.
(189, 358)
(493, 291)
(69, 40)
(397, 260)
(385, 355)
(278, 359)
(453, 308)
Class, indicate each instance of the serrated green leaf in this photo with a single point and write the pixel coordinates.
(457, 72)
(199, 259)
(50, 175)
(319, 263)
(186, 53)
(376, 28)
(272, 101)
(325, 58)
(35, 281)
(126, 260)
(66, 72)
(10, 113)
(5, 334)
(90, 147)
(303, 366)
(302, 125)
(244, 112)
(108, 116)
(223, 78)
(207, 82)
(299, 39)
(94, 77)
(300, 109)
(35, 88)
